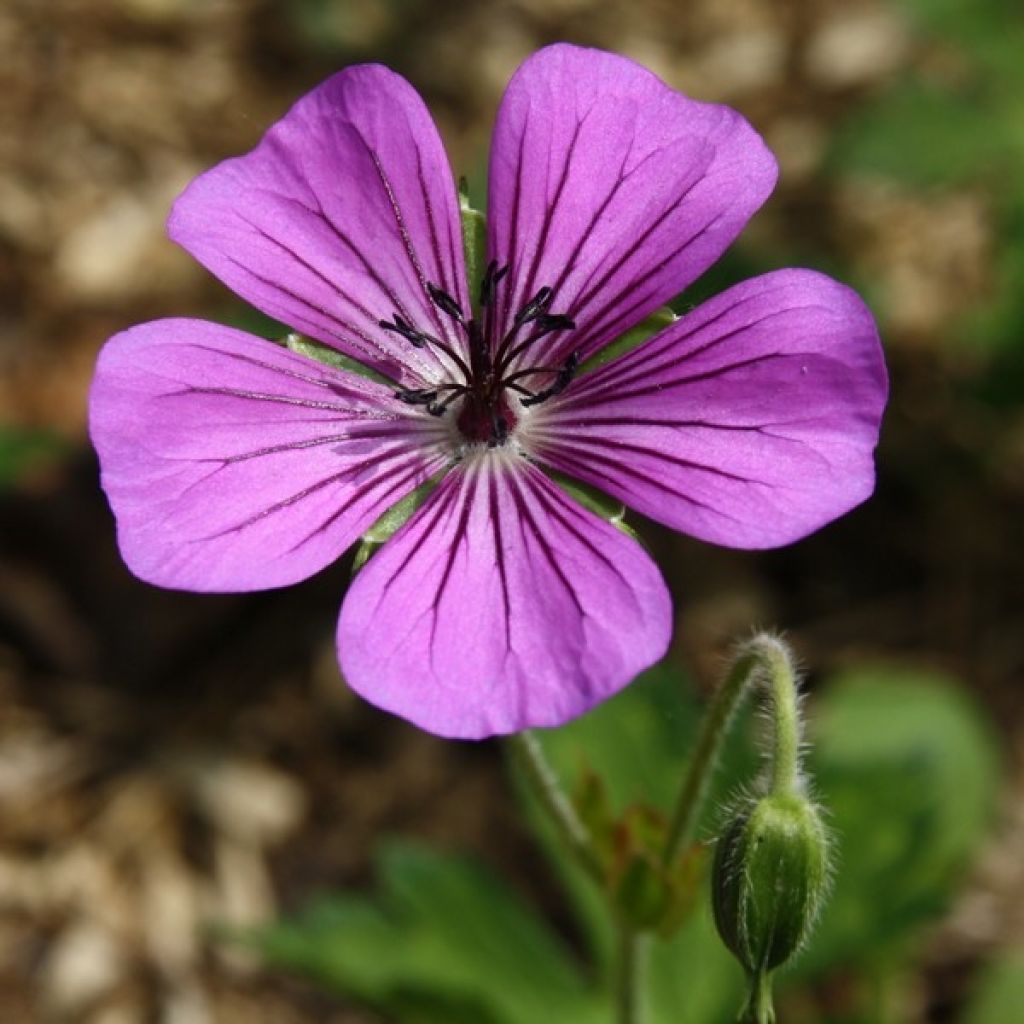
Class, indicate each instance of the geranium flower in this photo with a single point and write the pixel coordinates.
(234, 464)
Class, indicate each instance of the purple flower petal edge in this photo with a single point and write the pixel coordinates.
(751, 422)
(613, 189)
(337, 220)
(232, 464)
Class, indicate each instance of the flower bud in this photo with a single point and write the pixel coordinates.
(769, 878)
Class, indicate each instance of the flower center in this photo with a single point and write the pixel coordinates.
(482, 396)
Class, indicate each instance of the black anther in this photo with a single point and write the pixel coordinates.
(416, 396)
(415, 338)
(535, 307)
(489, 285)
(561, 382)
(445, 302)
(548, 322)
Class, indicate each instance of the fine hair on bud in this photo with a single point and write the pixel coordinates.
(771, 868)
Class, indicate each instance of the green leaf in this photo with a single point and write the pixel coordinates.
(638, 744)
(908, 770)
(445, 941)
(640, 740)
(999, 993)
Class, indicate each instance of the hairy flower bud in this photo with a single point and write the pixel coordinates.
(769, 878)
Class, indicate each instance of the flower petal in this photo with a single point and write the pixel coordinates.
(502, 605)
(613, 189)
(233, 464)
(750, 422)
(338, 219)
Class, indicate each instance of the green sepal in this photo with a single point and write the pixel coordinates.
(593, 804)
(769, 879)
(644, 892)
(641, 894)
(602, 505)
(657, 321)
(474, 244)
(304, 346)
(390, 523)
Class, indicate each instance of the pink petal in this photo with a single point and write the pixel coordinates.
(233, 464)
(502, 605)
(751, 422)
(613, 189)
(338, 219)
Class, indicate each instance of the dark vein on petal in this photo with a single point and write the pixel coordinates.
(443, 277)
(526, 286)
(431, 516)
(318, 486)
(302, 261)
(586, 469)
(594, 327)
(401, 476)
(331, 380)
(495, 512)
(342, 236)
(403, 230)
(526, 516)
(313, 442)
(619, 445)
(376, 352)
(259, 396)
(512, 252)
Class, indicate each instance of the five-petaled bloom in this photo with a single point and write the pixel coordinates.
(235, 464)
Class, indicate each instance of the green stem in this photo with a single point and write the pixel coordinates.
(543, 782)
(760, 1008)
(764, 660)
(781, 679)
(629, 976)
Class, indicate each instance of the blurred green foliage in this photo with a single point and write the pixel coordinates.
(903, 763)
(23, 450)
(999, 994)
(958, 121)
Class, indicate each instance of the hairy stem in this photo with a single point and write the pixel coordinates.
(764, 661)
(543, 782)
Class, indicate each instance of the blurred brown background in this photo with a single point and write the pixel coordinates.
(169, 760)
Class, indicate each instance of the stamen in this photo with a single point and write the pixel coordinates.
(415, 338)
(489, 285)
(548, 322)
(537, 306)
(535, 311)
(420, 339)
(562, 379)
(445, 302)
(491, 376)
(439, 408)
(480, 351)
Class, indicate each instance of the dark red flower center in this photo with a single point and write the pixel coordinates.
(483, 393)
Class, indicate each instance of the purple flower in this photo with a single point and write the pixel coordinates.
(235, 464)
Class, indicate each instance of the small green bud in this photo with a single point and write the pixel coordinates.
(769, 879)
